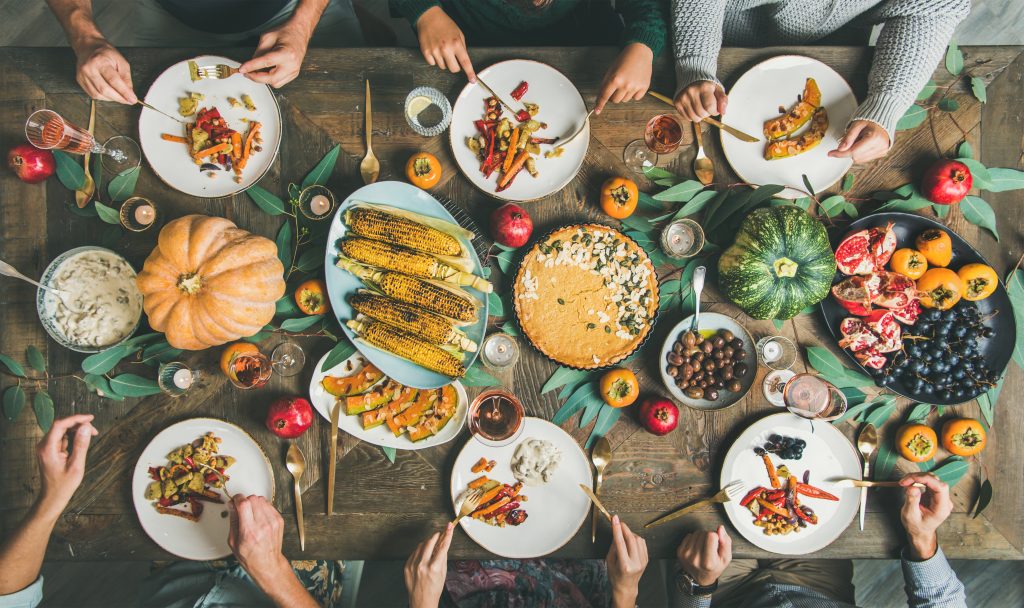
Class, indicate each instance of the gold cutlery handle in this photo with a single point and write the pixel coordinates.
(332, 467)
(298, 515)
(369, 118)
(687, 509)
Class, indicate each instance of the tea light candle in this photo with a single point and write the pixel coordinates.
(144, 214)
(771, 351)
(182, 378)
(319, 204)
(500, 350)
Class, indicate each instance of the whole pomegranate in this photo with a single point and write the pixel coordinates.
(946, 182)
(511, 225)
(659, 416)
(31, 164)
(289, 417)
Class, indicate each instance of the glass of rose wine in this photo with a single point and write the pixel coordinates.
(250, 370)
(662, 135)
(809, 396)
(48, 130)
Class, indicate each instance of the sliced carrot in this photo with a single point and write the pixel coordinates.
(517, 165)
(772, 476)
(480, 465)
(512, 142)
(490, 494)
(178, 139)
(478, 482)
(236, 145)
(212, 150)
(504, 500)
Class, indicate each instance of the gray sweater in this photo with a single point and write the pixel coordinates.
(912, 41)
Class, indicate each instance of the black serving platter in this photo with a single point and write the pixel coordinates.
(997, 350)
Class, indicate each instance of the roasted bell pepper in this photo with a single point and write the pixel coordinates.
(522, 116)
(751, 495)
(780, 511)
(517, 166)
(813, 492)
(518, 92)
(811, 519)
(506, 508)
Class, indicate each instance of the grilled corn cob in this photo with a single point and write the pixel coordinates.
(374, 223)
(443, 299)
(412, 319)
(400, 259)
(407, 346)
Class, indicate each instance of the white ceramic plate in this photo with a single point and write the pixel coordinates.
(561, 107)
(342, 283)
(171, 161)
(756, 97)
(382, 435)
(828, 455)
(715, 321)
(555, 510)
(207, 538)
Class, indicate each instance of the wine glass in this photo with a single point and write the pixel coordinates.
(250, 370)
(496, 418)
(48, 130)
(288, 358)
(809, 396)
(662, 135)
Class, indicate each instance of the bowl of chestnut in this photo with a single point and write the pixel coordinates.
(712, 367)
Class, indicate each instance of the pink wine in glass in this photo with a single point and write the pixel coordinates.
(808, 396)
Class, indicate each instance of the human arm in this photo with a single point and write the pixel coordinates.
(697, 39)
(21, 557)
(427, 568)
(255, 536)
(912, 41)
(929, 581)
(704, 556)
(102, 72)
(626, 561)
(441, 40)
(643, 37)
(280, 51)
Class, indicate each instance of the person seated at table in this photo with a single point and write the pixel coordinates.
(446, 27)
(709, 577)
(530, 582)
(284, 29)
(912, 41)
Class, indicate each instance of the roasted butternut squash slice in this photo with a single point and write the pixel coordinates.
(785, 148)
(797, 116)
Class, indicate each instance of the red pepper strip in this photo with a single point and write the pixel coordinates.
(490, 162)
(781, 511)
(771, 471)
(543, 140)
(751, 495)
(813, 492)
(482, 125)
(191, 463)
(506, 508)
(518, 92)
(775, 495)
(762, 514)
(813, 519)
(522, 116)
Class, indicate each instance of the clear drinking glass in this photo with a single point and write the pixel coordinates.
(250, 370)
(47, 130)
(662, 135)
(288, 359)
(809, 396)
(776, 352)
(496, 418)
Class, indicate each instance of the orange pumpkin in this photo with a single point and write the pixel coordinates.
(423, 170)
(311, 297)
(911, 263)
(980, 280)
(963, 436)
(209, 282)
(916, 442)
(619, 197)
(936, 246)
(619, 387)
(233, 350)
(940, 288)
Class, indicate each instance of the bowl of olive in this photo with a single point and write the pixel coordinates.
(710, 368)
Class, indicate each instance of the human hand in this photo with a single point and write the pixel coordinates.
(442, 42)
(627, 559)
(255, 537)
(282, 50)
(628, 78)
(103, 72)
(701, 99)
(923, 512)
(705, 555)
(426, 569)
(864, 141)
(62, 472)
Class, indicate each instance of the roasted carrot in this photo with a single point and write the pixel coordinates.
(178, 139)
(483, 513)
(782, 511)
(517, 165)
(217, 149)
(771, 471)
(236, 145)
(480, 465)
(490, 494)
(512, 142)
(479, 481)
(254, 129)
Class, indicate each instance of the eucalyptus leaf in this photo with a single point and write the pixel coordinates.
(69, 172)
(927, 91)
(285, 241)
(919, 412)
(984, 498)
(652, 172)
(948, 104)
(879, 415)
(853, 411)
(1015, 289)
(505, 258)
(341, 351)
(964, 150)
(300, 323)
(979, 213)
(142, 339)
(954, 59)
(286, 306)
(1003, 179)
(847, 182)
(591, 410)
(495, 305)
(87, 211)
(952, 470)
(106, 360)
(389, 453)
(637, 222)
(913, 117)
(680, 192)
(941, 211)
(885, 461)
(646, 200)
(987, 402)
(101, 386)
(695, 204)
(132, 385)
(259, 336)
(510, 328)
(42, 404)
(779, 324)
(161, 352)
(979, 173)
(107, 214)
(310, 260)
(606, 419)
(854, 396)
(323, 169)
(833, 205)
(561, 377)
(14, 401)
(12, 365)
(266, 201)
(477, 376)
(584, 395)
(978, 88)
(828, 365)
(35, 358)
(122, 185)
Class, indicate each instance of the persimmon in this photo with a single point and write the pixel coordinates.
(916, 442)
(619, 197)
(940, 288)
(233, 350)
(619, 387)
(311, 297)
(911, 263)
(423, 170)
(936, 246)
(963, 436)
(980, 280)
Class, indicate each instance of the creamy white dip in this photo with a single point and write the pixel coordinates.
(101, 287)
(535, 461)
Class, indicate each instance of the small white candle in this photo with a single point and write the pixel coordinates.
(319, 204)
(771, 351)
(145, 214)
(182, 378)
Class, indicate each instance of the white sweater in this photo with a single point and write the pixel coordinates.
(913, 39)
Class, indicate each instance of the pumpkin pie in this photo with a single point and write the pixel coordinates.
(586, 296)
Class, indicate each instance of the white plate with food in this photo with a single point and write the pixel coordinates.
(555, 509)
(824, 453)
(374, 410)
(559, 107)
(186, 533)
(771, 90)
(240, 102)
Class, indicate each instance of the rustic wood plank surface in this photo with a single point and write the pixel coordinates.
(381, 509)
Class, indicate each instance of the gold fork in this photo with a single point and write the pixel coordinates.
(732, 491)
(470, 501)
(223, 479)
(219, 71)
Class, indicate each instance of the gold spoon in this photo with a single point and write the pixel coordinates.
(296, 463)
(88, 188)
(370, 167)
(867, 443)
(703, 168)
(601, 457)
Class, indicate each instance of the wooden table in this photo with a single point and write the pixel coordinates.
(383, 509)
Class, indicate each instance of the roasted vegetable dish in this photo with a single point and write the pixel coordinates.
(779, 131)
(187, 479)
(501, 503)
(777, 509)
(212, 144)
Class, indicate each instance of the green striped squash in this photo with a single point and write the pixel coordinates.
(780, 263)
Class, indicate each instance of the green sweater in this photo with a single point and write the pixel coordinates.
(644, 20)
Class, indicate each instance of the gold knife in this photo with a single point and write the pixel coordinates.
(711, 121)
(498, 97)
(596, 501)
(159, 111)
(335, 416)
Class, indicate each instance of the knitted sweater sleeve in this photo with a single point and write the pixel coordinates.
(912, 41)
(697, 38)
(644, 22)
(413, 9)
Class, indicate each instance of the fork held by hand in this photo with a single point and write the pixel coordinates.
(470, 501)
(732, 491)
(219, 71)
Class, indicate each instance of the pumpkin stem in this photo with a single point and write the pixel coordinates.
(785, 267)
(190, 283)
